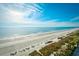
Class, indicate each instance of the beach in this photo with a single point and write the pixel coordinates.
(23, 45)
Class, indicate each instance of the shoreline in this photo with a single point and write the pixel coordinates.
(66, 46)
(32, 34)
(14, 38)
(37, 41)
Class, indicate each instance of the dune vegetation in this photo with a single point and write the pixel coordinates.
(64, 47)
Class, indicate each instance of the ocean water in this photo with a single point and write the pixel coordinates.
(6, 32)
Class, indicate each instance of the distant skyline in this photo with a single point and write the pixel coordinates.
(39, 15)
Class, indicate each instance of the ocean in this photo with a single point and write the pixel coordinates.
(6, 32)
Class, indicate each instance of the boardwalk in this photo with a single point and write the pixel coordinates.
(76, 53)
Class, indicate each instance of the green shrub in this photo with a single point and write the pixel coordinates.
(71, 39)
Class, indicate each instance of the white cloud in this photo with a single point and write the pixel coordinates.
(51, 24)
(12, 15)
(18, 13)
(75, 18)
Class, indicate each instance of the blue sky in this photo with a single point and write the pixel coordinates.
(40, 15)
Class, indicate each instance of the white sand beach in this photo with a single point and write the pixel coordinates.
(23, 45)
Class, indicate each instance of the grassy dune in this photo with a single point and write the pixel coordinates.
(64, 47)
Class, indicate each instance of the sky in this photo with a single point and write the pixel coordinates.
(39, 14)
